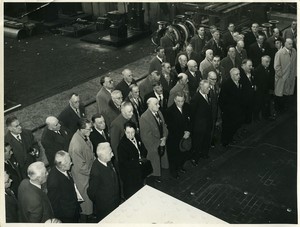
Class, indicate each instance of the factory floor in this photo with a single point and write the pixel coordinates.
(254, 181)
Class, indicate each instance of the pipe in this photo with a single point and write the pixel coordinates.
(14, 33)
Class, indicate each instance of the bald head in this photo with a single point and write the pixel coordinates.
(192, 65)
(276, 32)
(288, 44)
(104, 152)
(209, 54)
(52, 123)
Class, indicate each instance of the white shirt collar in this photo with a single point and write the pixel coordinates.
(158, 96)
(161, 60)
(37, 185)
(105, 164)
(16, 136)
(63, 172)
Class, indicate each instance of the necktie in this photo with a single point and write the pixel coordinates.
(103, 134)
(77, 112)
(19, 138)
(160, 100)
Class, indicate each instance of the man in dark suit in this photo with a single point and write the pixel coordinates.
(248, 89)
(103, 187)
(55, 138)
(103, 96)
(124, 84)
(137, 102)
(250, 37)
(168, 42)
(201, 120)
(11, 202)
(213, 96)
(34, 205)
(271, 40)
(100, 131)
(114, 107)
(262, 82)
(257, 50)
(70, 116)
(155, 63)
(178, 123)
(61, 190)
(228, 36)
(240, 52)
(198, 41)
(194, 77)
(230, 101)
(168, 77)
(230, 61)
(216, 44)
(181, 66)
(117, 127)
(291, 33)
(23, 143)
(161, 95)
(12, 168)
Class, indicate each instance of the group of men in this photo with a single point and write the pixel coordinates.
(184, 97)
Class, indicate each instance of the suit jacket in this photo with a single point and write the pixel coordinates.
(201, 115)
(204, 65)
(12, 168)
(228, 40)
(227, 64)
(155, 64)
(168, 42)
(240, 56)
(193, 81)
(138, 109)
(82, 155)
(150, 136)
(62, 195)
(130, 170)
(34, 205)
(218, 49)
(124, 87)
(146, 86)
(117, 132)
(102, 99)
(255, 53)
(53, 142)
(198, 43)
(177, 123)
(111, 113)
(70, 119)
(249, 39)
(103, 189)
(288, 33)
(262, 79)
(11, 207)
(164, 102)
(167, 86)
(179, 88)
(179, 69)
(248, 88)
(221, 75)
(97, 138)
(230, 99)
(270, 42)
(21, 150)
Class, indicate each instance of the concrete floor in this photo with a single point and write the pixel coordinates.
(253, 182)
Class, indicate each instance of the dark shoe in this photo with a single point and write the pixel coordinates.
(182, 170)
(194, 163)
(157, 180)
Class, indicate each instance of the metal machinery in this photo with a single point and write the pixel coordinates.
(184, 29)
